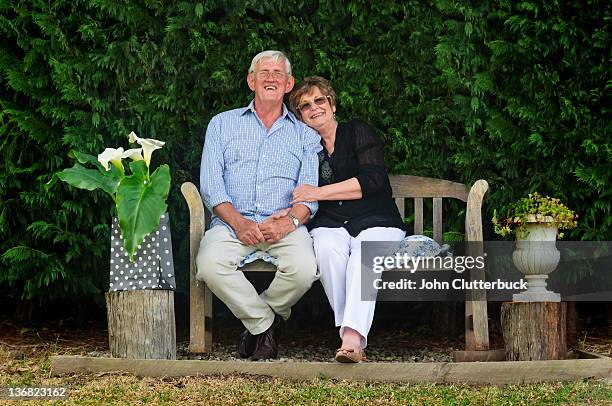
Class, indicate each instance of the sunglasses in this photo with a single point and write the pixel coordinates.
(319, 101)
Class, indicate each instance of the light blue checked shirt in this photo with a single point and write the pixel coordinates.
(254, 168)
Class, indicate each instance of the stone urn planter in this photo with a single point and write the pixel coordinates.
(536, 256)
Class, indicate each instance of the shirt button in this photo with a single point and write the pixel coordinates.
(345, 221)
(339, 203)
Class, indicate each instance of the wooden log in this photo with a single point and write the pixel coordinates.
(141, 324)
(534, 331)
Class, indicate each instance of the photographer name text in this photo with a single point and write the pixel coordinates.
(456, 284)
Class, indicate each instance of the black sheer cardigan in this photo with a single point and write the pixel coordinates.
(358, 153)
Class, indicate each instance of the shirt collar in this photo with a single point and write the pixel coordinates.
(285, 114)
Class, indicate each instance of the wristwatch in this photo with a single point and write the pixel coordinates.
(294, 220)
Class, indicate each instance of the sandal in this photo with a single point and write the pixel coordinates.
(349, 355)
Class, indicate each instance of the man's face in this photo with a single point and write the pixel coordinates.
(270, 81)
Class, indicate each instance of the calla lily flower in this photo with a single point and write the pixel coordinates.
(113, 156)
(148, 145)
(135, 154)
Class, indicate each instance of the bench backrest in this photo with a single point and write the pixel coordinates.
(404, 187)
(418, 188)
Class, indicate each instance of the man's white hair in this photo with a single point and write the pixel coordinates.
(275, 56)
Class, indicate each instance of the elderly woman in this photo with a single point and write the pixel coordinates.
(355, 205)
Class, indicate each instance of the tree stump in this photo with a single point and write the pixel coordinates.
(534, 330)
(141, 324)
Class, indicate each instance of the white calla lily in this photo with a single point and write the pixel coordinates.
(135, 154)
(148, 145)
(136, 193)
(113, 156)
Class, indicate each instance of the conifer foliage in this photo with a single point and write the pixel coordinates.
(517, 93)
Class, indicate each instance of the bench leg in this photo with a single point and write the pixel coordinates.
(477, 335)
(200, 318)
(476, 326)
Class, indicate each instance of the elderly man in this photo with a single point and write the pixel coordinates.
(252, 160)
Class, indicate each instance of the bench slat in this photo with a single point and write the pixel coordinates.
(437, 219)
(399, 202)
(416, 186)
(418, 215)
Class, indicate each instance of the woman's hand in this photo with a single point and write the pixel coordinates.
(279, 214)
(305, 193)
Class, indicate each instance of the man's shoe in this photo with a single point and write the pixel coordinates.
(267, 342)
(246, 344)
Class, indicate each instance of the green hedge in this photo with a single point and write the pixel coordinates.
(514, 93)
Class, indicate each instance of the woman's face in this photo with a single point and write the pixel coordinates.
(316, 109)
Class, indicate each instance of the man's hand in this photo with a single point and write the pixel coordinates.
(305, 193)
(275, 229)
(248, 232)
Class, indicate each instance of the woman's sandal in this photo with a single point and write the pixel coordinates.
(349, 355)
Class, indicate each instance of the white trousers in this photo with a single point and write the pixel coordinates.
(339, 260)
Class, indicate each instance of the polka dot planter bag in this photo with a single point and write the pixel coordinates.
(153, 267)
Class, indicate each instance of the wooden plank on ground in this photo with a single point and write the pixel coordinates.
(495, 373)
(479, 356)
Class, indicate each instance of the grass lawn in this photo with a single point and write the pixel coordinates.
(24, 361)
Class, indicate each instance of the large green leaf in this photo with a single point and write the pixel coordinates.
(86, 158)
(89, 179)
(141, 203)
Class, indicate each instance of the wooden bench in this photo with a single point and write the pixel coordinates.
(404, 186)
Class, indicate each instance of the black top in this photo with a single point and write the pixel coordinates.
(358, 153)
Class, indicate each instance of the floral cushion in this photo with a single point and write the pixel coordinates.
(255, 255)
(421, 246)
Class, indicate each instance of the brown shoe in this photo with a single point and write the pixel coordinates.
(246, 344)
(266, 346)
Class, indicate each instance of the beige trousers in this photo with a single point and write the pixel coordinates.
(217, 263)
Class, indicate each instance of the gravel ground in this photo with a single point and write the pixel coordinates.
(300, 342)
(323, 354)
(318, 343)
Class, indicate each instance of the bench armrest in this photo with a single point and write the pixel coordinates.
(197, 219)
(473, 214)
